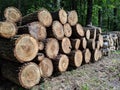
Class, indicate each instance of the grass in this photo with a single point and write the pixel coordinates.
(85, 87)
(117, 52)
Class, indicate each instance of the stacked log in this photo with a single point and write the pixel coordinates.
(44, 42)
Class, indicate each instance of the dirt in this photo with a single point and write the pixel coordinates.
(101, 75)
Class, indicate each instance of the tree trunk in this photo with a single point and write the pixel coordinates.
(65, 45)
(60, 15)
(46, 67)
(12, 14)
(61, 63)
(72, 18)
(77, 31)
(35, 29)
(27, 75)
(56, 30)
(86, 55)
(115, 19)
(67, 30)
(51, 47)
(7, 29)
(89, 12)
(100, 18)
(76, 58)
(23, 48)
(75, 43)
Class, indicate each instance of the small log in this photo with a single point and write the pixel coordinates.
(27, 75)
(100, 39)
(87, 33)
(7, 29)
(97, 44)
(72, 17)
(75, 44)
(35, 29)
(65, 45)
(77, 31)
(46, 67)
(40, 57)
(61, 63)
(60, 15)
(40, 46)
(12, 14)
(75, 58)
(23, 48)
(91, 44)
(56, 31)
(83, 44)
(51, 47)
(95, 55)
(86, 55)
(67, 30)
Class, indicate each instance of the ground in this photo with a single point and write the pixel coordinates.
(101, 75)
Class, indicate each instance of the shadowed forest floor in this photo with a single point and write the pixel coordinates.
(101, 75)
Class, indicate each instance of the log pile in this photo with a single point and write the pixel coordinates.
(43, 42)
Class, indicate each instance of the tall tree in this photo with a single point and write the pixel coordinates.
(89, 12)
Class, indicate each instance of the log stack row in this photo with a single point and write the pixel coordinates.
(43, 42)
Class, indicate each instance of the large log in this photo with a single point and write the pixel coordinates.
(75, 43)
(7, 29)
(43, 15)
(86, 55)
(56, 30)
(75, 58)
(83, 44)
(91, 44)
(60, 15)
(46, 67)
(51, 47)
(12, 14)
(35, 29)
(61, 63)
(27, 75)
(65, 45)
(72, 17)
(77, 31)
(23, 48)
(95, 55)
(67, 30)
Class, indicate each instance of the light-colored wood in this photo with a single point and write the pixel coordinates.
(46, 67)
(7, 29)
(26, 48)
(76, 58)
(51, 48)
(12, 14)
(67, 30)
(95, 55)
(61, 63)
(63, 16)
(37, 30)
(72, 17)
(57, 29)
(45, 17)
(100, 39)
(40, 57)
(65, 45)
(86, 55)
(75, 43)
(40, 45)
(83, 43)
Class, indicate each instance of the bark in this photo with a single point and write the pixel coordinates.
(75, 43)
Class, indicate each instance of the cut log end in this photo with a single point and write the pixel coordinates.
(63, 63)
(40, 57)
(46, 67)
(87, 34)
(63, 16)
(29, 75)
(87, 56)
(26, 48)
(80, 30)
(67, 30)
(72, 18)
(75, 43)
(66, 45)
(101, 40)
(95, 56)
(12, 14)
(7, 29)
(57, 29)
(40, 46)
(45, 17)
(37, 30)
(83, 43)
(52, 48)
